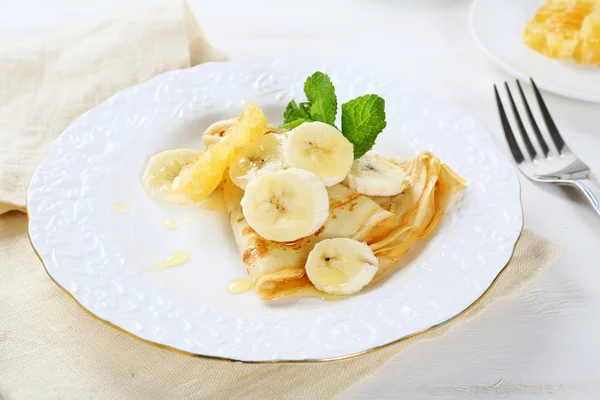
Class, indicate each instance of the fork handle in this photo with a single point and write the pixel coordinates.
(591, 190)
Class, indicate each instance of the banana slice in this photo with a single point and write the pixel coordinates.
(161, 171)
(266, 156)
(286, 205)
(372, 175)
(341, 266)
(320, 149)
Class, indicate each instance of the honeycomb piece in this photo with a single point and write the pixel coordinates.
(566, 29)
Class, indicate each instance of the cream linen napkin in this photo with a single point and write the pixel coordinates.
(49, 347)
(46, 84)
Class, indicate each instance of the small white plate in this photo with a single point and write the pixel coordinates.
(498, 27)
(96, 253)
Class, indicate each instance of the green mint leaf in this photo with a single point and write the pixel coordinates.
(363, 118)
(322, 99)
(295, 123)
(294, 112)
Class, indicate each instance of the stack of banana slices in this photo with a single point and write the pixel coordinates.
(285, 178)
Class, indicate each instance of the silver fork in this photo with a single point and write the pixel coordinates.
(560, 166)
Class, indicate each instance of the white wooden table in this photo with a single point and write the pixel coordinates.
(542, 343)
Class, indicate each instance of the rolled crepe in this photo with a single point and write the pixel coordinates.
(277, 269)
(390, 225)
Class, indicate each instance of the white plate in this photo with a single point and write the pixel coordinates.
(498, 27)
(96, 253)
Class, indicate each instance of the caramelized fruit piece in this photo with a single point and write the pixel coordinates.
(201, 177)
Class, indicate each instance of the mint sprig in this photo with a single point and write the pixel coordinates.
(363, 118)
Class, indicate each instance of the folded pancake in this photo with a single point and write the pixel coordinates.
(418, 209)
(389, 224)
(277, 269)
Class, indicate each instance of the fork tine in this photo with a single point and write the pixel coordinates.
(510, 137)
(552, 129)
(524, 136)
(534, 124)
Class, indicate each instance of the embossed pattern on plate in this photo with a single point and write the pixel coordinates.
(98, 254)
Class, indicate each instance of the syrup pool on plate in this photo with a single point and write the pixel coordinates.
(170, 225)
(238, 286)
(120, 207)
(173, 260)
